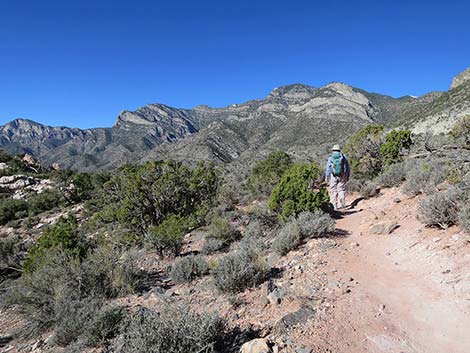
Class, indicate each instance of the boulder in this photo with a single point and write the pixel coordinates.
(257, 345)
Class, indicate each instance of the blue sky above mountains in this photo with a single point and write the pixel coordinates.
(78, 63)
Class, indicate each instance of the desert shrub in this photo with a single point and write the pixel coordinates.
(363, 151)
(110, 272)
(315, 224)
(354, 184)
(11, 252)
(141, 196)
(240, 269)
(105, 324)
(292, 194)
(64, 234)
(439, 209)
(174, 330)
(167, 237)
(393, 175)
(212, 245)
(369, 189)
(424, 176)
(189, 268)
(267, 173)
(288, 239)
(463, 217)
(396, 141)
(36, 293)
(62, 291)
(221, 228)
(73, 315)
(461, 131)
(254, 229)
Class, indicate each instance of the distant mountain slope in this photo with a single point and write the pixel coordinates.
(299, 119)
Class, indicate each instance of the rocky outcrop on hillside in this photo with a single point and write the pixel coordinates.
(461, 78)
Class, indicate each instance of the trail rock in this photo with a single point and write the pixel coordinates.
(304, 350)
(275, 297)
(298, 317)
(257, 345)
(384, 228)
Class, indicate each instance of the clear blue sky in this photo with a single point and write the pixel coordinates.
(79, 63)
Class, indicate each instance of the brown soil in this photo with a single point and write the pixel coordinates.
(409, 290)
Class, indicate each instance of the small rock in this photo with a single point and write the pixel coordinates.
(445, 272)
(304, 350)
(382, 228)
(276, 296)
(257, 345)
(388, 254)
(354, 245)
(378, 229)
(396, 200)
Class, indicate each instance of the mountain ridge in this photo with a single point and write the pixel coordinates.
(298, 118)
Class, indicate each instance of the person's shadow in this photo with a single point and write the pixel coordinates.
(355, 202)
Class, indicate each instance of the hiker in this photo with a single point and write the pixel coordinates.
(338, 171)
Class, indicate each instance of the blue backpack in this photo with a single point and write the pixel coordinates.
(337, 164)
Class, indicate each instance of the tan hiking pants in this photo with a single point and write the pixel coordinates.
(338, 190)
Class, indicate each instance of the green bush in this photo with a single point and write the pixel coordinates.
(292, 194)
(240, 269)
(189, 268)
(396, 141)
(143, 196)
(288, 239)
(174, 330)
(267, 173)
(64, 235)
(220, 228)
(363, 151)
(167, 238)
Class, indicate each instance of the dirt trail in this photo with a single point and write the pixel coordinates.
(409, 290)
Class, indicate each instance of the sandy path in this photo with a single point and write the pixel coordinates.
(410, 290)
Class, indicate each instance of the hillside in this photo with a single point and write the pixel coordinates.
(299, 119)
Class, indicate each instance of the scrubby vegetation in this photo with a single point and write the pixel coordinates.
(306, 225)
(292, 194)
(370, 151)
(173, 330)
(240, 269)
(267, 173)
(189, 268)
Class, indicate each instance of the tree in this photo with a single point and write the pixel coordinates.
(292, 194)
(267, 173)
(140, 196)
(363, 151)
(395, 142)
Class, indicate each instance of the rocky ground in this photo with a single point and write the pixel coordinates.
(383, 283)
